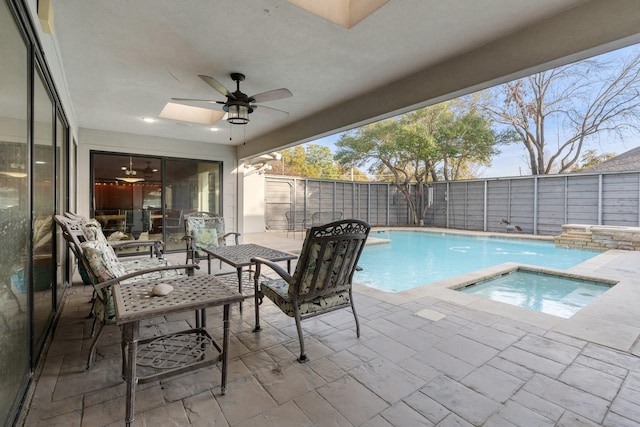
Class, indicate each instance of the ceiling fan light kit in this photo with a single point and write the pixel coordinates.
(239, 105)
(238, 114)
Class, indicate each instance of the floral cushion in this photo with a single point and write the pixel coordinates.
(277, 290)
(102, 259)
(105, 264)
(204, 238)
(93, 230)
(210, 223)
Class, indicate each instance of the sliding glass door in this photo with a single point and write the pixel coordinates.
(14, 216)
(140, 197)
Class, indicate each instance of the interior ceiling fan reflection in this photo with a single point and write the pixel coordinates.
(239, 105)
(149, 171)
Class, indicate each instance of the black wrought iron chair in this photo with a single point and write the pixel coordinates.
(204, 230)
(102, 267)
(322, 279)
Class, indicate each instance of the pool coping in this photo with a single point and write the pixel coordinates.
(610, 320)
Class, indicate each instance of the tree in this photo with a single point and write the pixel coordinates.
(591, 158)
(313, 161)
(555, 113)
(435, 142)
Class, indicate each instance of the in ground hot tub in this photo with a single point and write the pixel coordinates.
(548, 292)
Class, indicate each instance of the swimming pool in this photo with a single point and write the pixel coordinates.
(416, 258)
(548, 293)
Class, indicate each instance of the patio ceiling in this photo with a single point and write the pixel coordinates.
(124, 60)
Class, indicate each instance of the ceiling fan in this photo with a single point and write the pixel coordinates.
(238, 105)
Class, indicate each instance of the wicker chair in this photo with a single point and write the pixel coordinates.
(204, 230)
(323, 275)
(103, 269)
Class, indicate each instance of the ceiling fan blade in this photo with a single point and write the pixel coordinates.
(269, 109)
(217, 86)
(271, 95)
(210, 101)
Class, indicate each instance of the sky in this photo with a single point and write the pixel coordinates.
(512, 161)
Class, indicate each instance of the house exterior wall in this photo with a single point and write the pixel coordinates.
(107, 141)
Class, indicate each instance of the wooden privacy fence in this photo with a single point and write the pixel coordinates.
(533, 204)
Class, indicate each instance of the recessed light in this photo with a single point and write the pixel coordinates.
(40, 162)
(214, 129)
(148, 119)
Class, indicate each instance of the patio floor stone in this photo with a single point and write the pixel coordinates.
(454, 365)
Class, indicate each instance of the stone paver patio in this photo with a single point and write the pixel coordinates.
(421, 360)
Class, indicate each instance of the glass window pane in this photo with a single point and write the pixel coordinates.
(127, 195)
(14, 216)
(131, 201)
(43, 209)
(61, 199)
(190, 186)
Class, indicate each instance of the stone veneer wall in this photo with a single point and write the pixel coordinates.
(599, 237)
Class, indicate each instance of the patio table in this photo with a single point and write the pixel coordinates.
(159, 357)
(240, 256)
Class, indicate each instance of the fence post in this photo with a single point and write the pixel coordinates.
(369, 203)
(388, 203)
(353, 201)
(600, 199)
(485, 207)
(447, 196)
(509, 202)
(304, 206)
(294, 201)
(535, 204)
(566, 199)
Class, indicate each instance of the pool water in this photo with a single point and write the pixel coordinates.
(551, 294)
(414, 258)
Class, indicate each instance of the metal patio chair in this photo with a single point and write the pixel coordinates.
(101, 265)
(322, 279)
(204, 230)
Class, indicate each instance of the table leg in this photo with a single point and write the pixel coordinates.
(256, 288)
(131, 333)
(225, 348)
(239, 271)
(289, 266)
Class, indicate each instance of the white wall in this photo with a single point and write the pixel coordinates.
(254, 203)
(100, 140)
